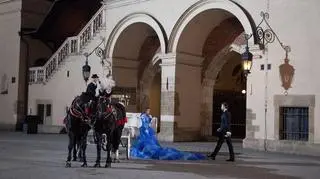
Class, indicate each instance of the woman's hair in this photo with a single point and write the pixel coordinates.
(225, 105)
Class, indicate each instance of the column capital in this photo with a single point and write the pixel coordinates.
(208, 82)
(168, 59)
(181, 58)
(254, 49)
(167, 56)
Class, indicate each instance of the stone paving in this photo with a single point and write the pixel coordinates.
(43, 157)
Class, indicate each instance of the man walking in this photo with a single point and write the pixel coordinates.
(224, 133)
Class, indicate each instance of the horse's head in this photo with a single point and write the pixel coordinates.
(104, 108)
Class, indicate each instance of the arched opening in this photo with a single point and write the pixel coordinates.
(204, 44)
(150, 90)
(136, 80)
(230, 87)
(155, 94)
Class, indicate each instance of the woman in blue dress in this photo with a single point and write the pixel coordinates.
(146, 146)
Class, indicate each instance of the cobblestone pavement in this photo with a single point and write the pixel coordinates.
(43, 157)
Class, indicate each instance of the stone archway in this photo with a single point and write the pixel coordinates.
(214, 65)
(205, 5)
(202, 38)
(132, 46)
(133, 19)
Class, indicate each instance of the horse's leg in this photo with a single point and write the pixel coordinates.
(74, 146)
(109, 142)
(116, 142)
(116, 157)
(83, 150)
(70, 146)
(115, 151)
(98, 145)
(79, 150)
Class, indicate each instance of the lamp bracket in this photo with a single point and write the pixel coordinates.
(101, 53)
(267, 35)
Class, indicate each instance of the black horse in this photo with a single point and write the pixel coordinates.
(117, 133)
(78, 125)
(109, 118)
(76, 144)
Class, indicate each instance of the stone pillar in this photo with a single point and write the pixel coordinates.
(206, 107)
(168, 79)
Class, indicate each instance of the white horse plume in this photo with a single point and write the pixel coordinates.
(107, 83)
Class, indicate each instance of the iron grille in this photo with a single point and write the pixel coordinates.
(294, 123)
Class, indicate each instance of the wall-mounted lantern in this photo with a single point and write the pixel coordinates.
(86, 69)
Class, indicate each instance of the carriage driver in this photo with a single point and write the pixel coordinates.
(92, 87)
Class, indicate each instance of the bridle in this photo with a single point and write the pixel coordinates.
(105, 113)
(76, 111)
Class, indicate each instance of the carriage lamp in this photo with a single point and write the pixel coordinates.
(86, 69)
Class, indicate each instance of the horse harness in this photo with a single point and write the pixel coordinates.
(77, 111)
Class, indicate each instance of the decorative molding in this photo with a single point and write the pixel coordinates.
(111, 4)
(294, 100)
(10, 12)
(168, 59)
(7, 1)
(124, 67)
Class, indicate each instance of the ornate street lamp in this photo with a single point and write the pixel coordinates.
(264, 37)
(86, 69)
(247, 58)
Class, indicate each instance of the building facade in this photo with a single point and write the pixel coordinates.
(17, 52)
(182, 58)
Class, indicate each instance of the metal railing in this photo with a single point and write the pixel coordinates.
(71, 46)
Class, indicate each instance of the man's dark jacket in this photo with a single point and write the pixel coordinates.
(91, 90)
(225, 122)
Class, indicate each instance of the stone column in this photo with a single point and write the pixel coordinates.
(206, 107)
(168, 75)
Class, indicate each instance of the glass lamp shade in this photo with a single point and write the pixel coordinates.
(247, 64)
(86, 69)
(247, 61)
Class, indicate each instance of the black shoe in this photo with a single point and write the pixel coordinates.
(230, 160)
(211, 156)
